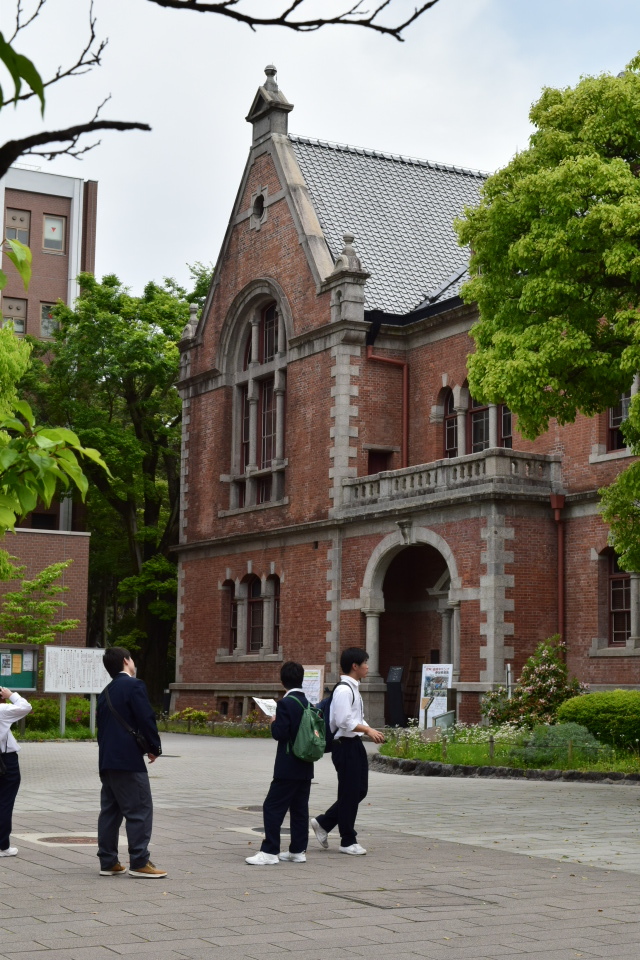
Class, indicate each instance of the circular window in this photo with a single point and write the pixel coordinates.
(258, 206)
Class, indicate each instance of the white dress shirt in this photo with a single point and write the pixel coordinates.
(16, 709)
(347, 709)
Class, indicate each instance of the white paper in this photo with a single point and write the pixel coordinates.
(5, 664)
(313, 683)
(27, 661)
(74, 670)
(267, 706)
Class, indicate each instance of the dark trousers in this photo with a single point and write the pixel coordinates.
(350, 760)
(291, 795)
(9, 786)
(125, 795)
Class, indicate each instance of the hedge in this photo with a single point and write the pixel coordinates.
(613, 717)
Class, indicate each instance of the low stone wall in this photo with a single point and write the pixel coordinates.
(430, 768)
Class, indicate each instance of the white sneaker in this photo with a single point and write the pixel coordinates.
(9, 852)
(293, 857)
(355, 850)
(261, 859)
(321, 835)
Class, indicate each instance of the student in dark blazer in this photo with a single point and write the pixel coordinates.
(292, 777)
(126, 793)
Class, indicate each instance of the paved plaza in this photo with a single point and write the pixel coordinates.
(456, 868)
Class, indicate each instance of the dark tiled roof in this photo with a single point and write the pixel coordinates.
(401, 212)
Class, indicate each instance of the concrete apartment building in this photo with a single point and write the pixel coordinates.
(340, 484)
(56, 217)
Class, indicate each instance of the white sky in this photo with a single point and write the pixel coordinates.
(457, 90)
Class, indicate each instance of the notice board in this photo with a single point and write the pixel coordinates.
(74, 670)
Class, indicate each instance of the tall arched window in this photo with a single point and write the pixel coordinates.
(450, 426)
(477, 426)
(230, 615)
(619, 603)
(255, 615)
(258, 469)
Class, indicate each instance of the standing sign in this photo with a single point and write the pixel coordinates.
(436, 679)
(313, 684)
(74, 670)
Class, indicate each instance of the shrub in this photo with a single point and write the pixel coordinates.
(546, 744)
(613, 716)
(544, 684)
(45, 713)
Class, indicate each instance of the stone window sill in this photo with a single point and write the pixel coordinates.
(606, 651)
(250, 658)
(254, 506)
(610, 455)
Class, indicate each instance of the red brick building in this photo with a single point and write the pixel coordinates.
(56, 217)
(341, 486)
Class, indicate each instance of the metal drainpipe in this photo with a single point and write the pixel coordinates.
(557, 503)
(405, 399)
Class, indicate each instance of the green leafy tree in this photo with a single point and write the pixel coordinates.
(110, 374)
(29, 613)
(555, 259)
(543, 685)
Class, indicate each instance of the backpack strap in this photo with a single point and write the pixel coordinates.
(290, 743)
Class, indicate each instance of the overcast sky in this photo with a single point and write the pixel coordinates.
(457, 90)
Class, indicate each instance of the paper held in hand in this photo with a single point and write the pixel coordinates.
(267, 706)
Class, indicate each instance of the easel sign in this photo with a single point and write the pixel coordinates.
(436, 680)
(313, 684)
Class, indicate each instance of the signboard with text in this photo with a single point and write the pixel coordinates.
(313, 684)
(74, 670)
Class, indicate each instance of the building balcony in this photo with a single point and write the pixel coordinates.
(494, 472)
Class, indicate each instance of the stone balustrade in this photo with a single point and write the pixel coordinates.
(508, 469)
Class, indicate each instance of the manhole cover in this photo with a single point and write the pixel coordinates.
(254, 809)
(424, 898)
(65, 840)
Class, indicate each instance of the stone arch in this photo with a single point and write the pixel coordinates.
(371, 595)
(256, 293)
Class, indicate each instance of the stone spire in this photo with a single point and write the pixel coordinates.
(269, 110)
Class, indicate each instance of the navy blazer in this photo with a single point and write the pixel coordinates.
(117, 748)
(284, 729)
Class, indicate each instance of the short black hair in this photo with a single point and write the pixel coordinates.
(291, 674)
(350, 656)
(114, 658)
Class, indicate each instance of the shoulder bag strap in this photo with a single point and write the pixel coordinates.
(115, 712)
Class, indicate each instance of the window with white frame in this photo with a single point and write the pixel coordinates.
(258, 456)
(616, 417)
(53, 234)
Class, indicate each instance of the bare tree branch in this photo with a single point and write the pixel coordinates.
(354, 16)
(13, 149)
(19, 24)
(89, 57)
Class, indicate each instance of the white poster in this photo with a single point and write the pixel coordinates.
(436, 679)
(27, 661)
(5, 664)
(313, 684)
(74, 670)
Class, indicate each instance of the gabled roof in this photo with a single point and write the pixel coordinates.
(401, 211)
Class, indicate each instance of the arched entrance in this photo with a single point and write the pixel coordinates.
(415, 627)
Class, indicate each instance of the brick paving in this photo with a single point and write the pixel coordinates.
(461, 870)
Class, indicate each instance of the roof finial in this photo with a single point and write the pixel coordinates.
(271, 72)
(348, 259)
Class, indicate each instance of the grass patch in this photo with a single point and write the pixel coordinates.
(545, 748)
(73, 733)
(216, 729)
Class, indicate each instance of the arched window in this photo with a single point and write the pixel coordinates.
(272, 631)
(450, 426)
(616, 417)
(619, 603)
(230, 615)
(477, 426)
(258, 462)
(505, 428)
(255, 615)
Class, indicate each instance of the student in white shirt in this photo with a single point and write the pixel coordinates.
(13, 708)
(349, 756)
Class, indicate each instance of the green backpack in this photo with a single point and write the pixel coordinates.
(310, 739)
